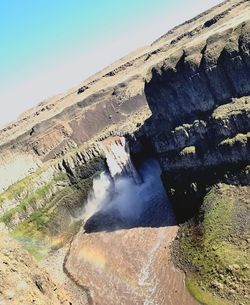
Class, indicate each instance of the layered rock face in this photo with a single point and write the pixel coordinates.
(196, 81)
(29, 146)
(63, 123)
(199, 98)
(197, 88)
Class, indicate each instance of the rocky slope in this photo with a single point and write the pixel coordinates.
(22, 281)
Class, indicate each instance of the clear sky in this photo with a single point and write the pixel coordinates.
(48, 46)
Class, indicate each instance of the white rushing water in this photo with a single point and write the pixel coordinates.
(99, 196)
(124, 197)
(125, 223)
(128, 200)
(118, 159)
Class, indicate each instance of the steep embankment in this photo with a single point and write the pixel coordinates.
(199, 98)
(22, 281)
(214, 247)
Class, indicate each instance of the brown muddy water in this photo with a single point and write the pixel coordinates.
(122, 254)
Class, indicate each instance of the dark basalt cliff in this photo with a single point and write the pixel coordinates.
(199, 98)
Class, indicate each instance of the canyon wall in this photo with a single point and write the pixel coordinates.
(196, 81)
(23, 151)
(64, 122)
(199, 98)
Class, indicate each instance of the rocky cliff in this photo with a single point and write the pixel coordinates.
(64, 122)
(197, 87)
(196, 81)
(46, 205)
(199, 130)
(200, 104)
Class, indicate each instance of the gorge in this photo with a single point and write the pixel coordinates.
(136, 182)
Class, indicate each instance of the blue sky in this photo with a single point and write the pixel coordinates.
(47, 46)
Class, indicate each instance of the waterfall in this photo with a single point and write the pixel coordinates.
(118, 159)
(122, 203)
(120, 198)
(100, 195)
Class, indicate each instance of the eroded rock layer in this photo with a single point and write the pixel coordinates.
(200, 106)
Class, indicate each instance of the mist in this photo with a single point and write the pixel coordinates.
(122, 203)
